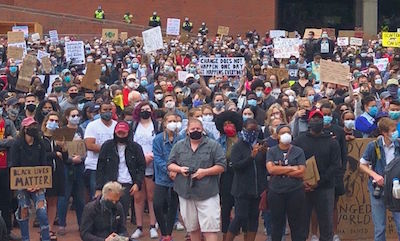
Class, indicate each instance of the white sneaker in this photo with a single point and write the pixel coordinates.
(336, 237)
(137, 234)
(314, 238)
(179, 226)
(153, 233)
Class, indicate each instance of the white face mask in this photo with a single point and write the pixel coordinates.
(178, 125)
(170, 105)
(131, 84)
(349, 124)
(208, 118)
(172, 126)
(200, 118)
(285, 138)
(158, 96)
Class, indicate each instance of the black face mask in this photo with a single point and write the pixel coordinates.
(121, 139)
(45, 112)
(31, 107)
(145, 115)
(73, 95)
(33, 132)
(195, 135)
(109, 205)
(316, 125)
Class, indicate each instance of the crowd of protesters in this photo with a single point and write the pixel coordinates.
(191, 151)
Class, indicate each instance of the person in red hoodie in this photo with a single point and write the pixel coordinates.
(183, 59)
(131, 84)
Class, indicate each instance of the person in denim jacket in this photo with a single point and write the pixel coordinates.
(378, 154)
(163, 191)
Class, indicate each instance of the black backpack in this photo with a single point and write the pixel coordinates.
(392, 170)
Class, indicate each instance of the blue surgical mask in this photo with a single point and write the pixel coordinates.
(13, 69)
(373, 111)
(309, 69)
(67, 79)
(135, 65)
(259, 94)
(51, 125)
(311, 98)
(292, 61)
(197, 103)
(378, 81)
(327, 119)
(109, 65)
(252, 102)
(144, 82)
(394, 115)
(394, 136)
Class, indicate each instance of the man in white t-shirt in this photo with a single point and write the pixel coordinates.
(96, 133)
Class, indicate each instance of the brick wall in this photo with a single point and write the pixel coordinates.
(239, 15)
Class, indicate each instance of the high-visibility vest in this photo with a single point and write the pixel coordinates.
(156, 20)
(99, 14)
(187, 24)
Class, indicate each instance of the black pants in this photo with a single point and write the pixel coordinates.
(293, 206)
(5, 197)
(322, 200)
(166, 220)
(246, 215)
(126, 198)
(227, 200)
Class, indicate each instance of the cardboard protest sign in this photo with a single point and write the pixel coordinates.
(28, 177)
(46, 64)
(15, 37)
(23, 29)
(221, 66)
(42, 54)
(286, 47)
(53, 36)
(333, 72)
(343, 41)
(25, 73)
(356, 41)
(331, 32)
(74, 52)
(182, 76)
(311, 175)
(381, 63)
(35, 37)
(173, 26)
(110, 34)
(64, 134)
(355, 218)
(123, 36)
(16, 53)
(223, 30)
(281, 74)
(93, 73)
(152, 39)
(391, 39)
(277, 33)
(317, 33)
(76, 147)
(292, 35)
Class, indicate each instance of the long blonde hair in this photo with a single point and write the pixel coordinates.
(268, 119)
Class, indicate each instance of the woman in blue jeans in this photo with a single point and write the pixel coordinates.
(74, 170)
(28, 151)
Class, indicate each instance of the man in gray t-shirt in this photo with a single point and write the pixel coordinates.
(198, 162)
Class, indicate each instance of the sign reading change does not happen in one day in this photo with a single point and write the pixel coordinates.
(221, 66)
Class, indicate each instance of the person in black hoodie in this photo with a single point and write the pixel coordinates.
(131, 173)
(326, 151)
(249, 181)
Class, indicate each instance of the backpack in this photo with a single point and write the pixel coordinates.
(392, 170)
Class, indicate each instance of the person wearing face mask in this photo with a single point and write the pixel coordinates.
(259, 113)
(164, 179)
(121, 159)
(130, 84)
(68, 102)
(198, 162)
(366, 122)
(348, 120)
(13, 112)
(29, 150)
(248, 165)
(103, 218)
(376, 158)
(394, 112)
(30, 105)
(326, 46)
(57, 156)
(57, 89)
(299, 123)
(12, 76)
(286, 196)
(326, 151)
(263, 93)
(219, 103)
(293, 69)
(229, 124)
(170, 104)
(377, 86)
(44, 107)
(96, 133)
(144, 129)
(302, 82)
(392, 86)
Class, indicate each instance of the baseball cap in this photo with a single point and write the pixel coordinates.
(94, 108)
(392, 82)
(189, 76)
(12, 101)
(122, 127)
(384, 95)
(315, 112)
(28, 121)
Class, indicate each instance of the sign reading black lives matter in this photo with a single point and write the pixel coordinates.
(29, 177)
(221, 66)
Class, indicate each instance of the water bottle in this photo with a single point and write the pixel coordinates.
(396, 188)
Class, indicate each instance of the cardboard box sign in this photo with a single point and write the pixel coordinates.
(15, 37)
(110, 34)
(311, 175)
(93, 73)
(15, 53)
(317, 33)
(123, 36)
(333, 72)
(281, 74)
(222, 30)
(28, 177)
(64, 134)
(76, 147)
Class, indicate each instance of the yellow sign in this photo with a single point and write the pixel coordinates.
(390, 39)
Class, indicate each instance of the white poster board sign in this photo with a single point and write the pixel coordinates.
(74, 52)
(343, 41)
(286, 47)
(42, 54)
(182, 75)
(35, 37)
(21, 29)
(53, 36)
(173, 26)
(381, 63)
(222, 66)
(152, 39)
(356, 41)
(52, 79)
(277, 33)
